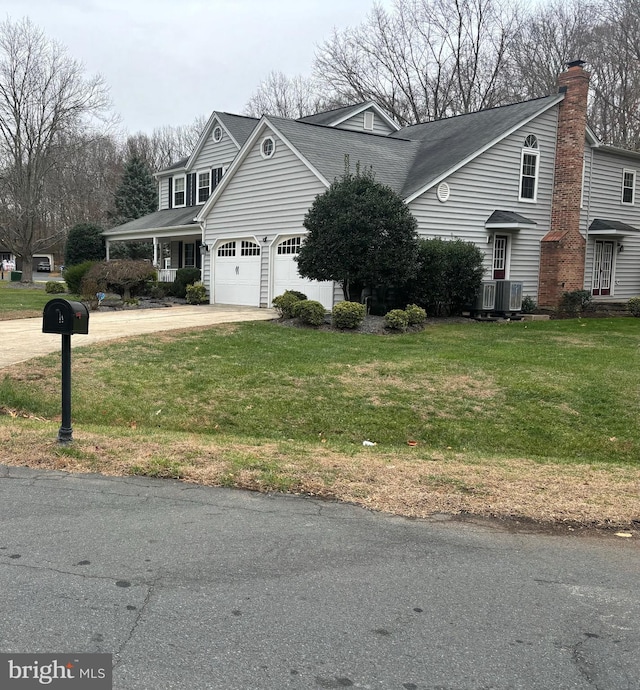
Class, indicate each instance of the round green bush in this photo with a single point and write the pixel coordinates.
(54, 287)
(285, 303)
(300, 295)
(184, 277)
(196, 294)
(633, 306)
(396, 320)
(416, 315)
(309, 311)
(348, 315)
(528, 305)
(73, 276)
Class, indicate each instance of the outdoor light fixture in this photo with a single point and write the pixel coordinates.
(204, 248)
(620, 248)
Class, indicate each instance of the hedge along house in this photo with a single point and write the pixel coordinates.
(527, 183)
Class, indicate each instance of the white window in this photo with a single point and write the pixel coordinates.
(179, 191)
(291, 246)
(529, 169)
(249, 248)
(204, 186)
(227, 249)
(368, 120)
(268, 147)
(217, 133)
(628, 186)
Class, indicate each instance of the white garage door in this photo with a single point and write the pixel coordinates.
(286, 276)
(236, 275)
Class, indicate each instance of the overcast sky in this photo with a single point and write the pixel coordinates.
(168, 61)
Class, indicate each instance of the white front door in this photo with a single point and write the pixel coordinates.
(286, 276)
(236, 273)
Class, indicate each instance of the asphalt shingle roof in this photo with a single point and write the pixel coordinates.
(326, 147)
(167, 218)
(602, 224)
(330, 116)
(509, 217)
(240, 126)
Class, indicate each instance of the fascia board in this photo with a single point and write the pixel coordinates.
(153, 232)
(482, 150)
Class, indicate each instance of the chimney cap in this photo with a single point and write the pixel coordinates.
(575, 63)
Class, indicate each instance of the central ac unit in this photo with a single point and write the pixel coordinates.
(508, 296)
(486, 298)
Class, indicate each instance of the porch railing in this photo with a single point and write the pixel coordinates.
(167, 275)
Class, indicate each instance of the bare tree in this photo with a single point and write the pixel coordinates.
(44, 96)
(425, 59)
(292, 97)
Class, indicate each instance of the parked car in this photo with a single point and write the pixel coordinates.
(44, 266)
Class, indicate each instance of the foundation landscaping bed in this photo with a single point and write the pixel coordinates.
(537, 421)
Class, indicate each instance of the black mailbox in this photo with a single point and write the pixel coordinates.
(65, 317)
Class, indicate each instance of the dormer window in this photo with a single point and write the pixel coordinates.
(529, 169)
(204, 186)
(368, 120)
(179, 191)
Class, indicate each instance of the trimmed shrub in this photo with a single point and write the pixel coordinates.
(309, 311)
(84, 243)
(54, 288)
(73, 276)
(184, 277)
(196, 294)
(157, 290)
(633, 306)
(528, 305)
(416, 315)
(348, 314)
(300, 295)
(285, 303)
(123, 277)
(396, 320)
(575, 302)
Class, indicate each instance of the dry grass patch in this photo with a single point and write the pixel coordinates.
(414, 482)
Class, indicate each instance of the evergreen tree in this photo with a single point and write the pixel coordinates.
(84, 243)
(137, 194)
(361, 234)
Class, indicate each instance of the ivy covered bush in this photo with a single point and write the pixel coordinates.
(396, 320)
(196, 294)
(309, 311)
(348, 315)
(633, 306)
(285, 304)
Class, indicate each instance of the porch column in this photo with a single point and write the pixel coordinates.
(155, 252)
(106, 245)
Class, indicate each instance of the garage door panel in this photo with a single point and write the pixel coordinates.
(286, 276)
(236, 278)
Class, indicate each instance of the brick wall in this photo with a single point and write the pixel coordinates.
(562, 251)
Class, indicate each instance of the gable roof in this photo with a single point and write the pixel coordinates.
(447, 145)
(332, 118)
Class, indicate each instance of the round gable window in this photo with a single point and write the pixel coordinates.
(268, 147)
(217, 133)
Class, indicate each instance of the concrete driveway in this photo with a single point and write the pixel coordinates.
(23, 339)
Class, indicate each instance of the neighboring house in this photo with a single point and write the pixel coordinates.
(528, 183)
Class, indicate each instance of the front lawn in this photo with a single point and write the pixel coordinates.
(18, 301)
(529, 406)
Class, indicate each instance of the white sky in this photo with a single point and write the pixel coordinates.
(168, 61)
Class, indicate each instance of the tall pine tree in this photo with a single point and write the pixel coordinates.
(137, 194)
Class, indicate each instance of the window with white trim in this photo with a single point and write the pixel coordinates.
(628, 186)
(179, 191)
(227, 249)
(204, 186)
(268, 147)
(529, 169)
(291, 246)
(368, 120)
(217, 134)
(248, 248)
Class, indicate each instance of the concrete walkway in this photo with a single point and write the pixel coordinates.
(22, 339)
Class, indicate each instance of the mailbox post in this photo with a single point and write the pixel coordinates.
(67, 318)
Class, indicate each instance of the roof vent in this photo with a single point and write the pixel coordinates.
(443, 192)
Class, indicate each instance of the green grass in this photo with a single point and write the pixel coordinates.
(18, 302)
(557, 391)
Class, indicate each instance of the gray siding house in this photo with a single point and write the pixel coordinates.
(527, 183)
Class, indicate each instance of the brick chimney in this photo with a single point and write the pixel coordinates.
(562, 251)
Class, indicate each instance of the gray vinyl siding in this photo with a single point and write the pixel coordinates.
(492, 182)
(163, 193)
(265, 198)
(605, 202)
(356, 124)
(215, 154)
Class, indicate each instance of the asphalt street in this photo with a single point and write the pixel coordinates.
(196, 587)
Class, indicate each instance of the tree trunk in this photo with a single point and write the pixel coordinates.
(27, 269)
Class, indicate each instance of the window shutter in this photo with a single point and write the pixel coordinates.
(171, 192)
(180, 250)
(198, 254)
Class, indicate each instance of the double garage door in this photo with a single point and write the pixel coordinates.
(238, 268)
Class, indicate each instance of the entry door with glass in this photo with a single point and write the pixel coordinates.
(602, 268)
